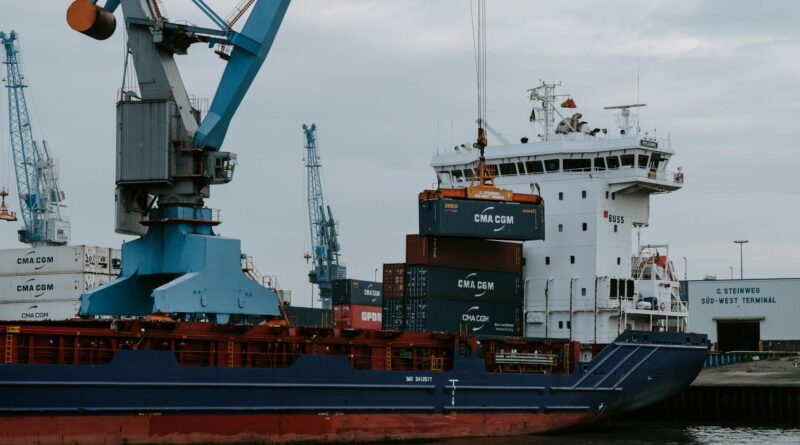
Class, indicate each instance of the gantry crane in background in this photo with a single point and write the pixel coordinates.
(40, 198)
(324, 239)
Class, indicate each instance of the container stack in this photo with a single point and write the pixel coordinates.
(463, 272)
(356, 304)
(309, 317)
(46, 283)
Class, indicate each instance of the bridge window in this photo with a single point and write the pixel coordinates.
(458, 175)
(468, 173)
(521, 167)
(572, 259)
(600, 163)
(445, 177)
(628, 160)
(585, 226)
(534, 167)
(643, 161)
(508, 169)
(612, 289)
(612, 162)
(547, 260)
(577, 165)
(552, 165)
(492, 169)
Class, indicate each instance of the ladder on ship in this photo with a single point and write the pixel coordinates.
(9, 347)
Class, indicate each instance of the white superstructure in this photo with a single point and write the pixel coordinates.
(582, 281)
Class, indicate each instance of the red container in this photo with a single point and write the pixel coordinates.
(467, 253)
(393, 279)
(354, 316)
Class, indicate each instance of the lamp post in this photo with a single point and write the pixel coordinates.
(685, 269)
(731, 267)
(375, 275)
(741, 244)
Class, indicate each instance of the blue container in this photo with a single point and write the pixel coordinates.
(481, 219)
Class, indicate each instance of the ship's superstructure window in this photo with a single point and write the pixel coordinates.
(508, 169)
(577, 165)
(560, 324)
(607, 194)
(561, 227)
(468, 173)
(619, 261)
(613, 196)
(534, 167)
(572, 259)
(583, 292)
(583, 194)
(585, 226)
(492, 169)
(599, 164)
(547, 260)
(458, 175)
(560, 196)
(569, 324)
(628, 160)
(615, 228)
(552, 165)
(521, 167)
(642, 161)
(612, 162)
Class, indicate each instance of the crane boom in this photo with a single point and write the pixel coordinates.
(324, 239)
(40, 198)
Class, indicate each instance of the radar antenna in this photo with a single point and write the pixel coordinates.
(625, 120)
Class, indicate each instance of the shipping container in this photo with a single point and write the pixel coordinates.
(481, 219)
(350, 291)
(354, 316)
(437, 315)
(56, 259)
(39, 310)
(473, 253)
(451, 283)
(393, 314)
(394, 275)
(116, 261)
(52, 287)
(310, 317)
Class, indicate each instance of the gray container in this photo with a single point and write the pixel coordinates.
(484, 319)
(481, 219)
(350, 291)
(452, 283)
(310, 317)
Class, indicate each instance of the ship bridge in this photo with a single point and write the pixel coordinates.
(629, 164)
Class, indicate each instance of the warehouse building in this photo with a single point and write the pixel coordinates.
(746, 315)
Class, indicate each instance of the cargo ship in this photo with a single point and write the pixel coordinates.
(182, 347)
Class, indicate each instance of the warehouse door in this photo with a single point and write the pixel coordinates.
(739, 335)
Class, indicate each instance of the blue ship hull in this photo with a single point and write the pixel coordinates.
(637, 369)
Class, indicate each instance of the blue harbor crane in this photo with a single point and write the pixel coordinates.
(168, 158)
(324, 240)
(40, 198)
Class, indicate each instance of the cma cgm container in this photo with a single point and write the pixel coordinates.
(40, 310)
(59, 259)
(464, 252)
(481, 219)
(476, 318)
(355, 316)
(53, 287)
(451, 283)
(394, 275)
(309, 317)
(359, 292)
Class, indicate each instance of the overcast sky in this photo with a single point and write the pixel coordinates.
(380, 77)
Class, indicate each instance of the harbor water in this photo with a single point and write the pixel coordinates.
(621, 432)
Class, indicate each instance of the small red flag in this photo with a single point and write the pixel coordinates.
(569, 103)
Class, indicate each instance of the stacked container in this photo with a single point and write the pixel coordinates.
(356, 304)
(46, 283)
(455, 279)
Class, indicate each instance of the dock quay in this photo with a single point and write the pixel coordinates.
(764, 389)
